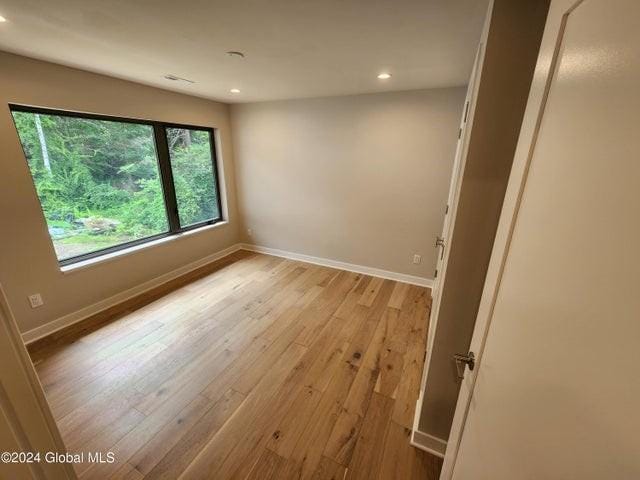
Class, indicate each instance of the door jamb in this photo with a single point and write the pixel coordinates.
(471, 98)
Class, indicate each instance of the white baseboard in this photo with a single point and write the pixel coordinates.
(424, 441)
(79, 315)
(434, 445)
(325, 262)
(42, 331)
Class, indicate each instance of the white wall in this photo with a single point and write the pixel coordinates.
(360, 179)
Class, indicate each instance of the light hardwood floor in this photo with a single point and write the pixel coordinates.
(255, 367)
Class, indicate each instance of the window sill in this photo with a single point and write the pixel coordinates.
(107, 257)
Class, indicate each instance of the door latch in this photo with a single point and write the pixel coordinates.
(461, 360)
(440, 243)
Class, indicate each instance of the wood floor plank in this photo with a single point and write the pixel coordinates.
(391, 366)
(212, 364)
(171, 433)
(100, 439)
(378, 347)
(76, 397)
(346, 430)
(427, 466)
(176, 357)
(362, 338)
(329, 470)
(346, 308)
(253, 367)
(291, 315)
(408, 389)
(236, 466)
(238, 463)
(343, 438)
(61, 340)
(183, 452)
(371, 292)
(325, 305)
(126, 472)
(283, 440)
(287, 295)
(401, 460)
(61, 379)
(213, 455)
(143, 432)
(266, 467)
(360, 394)
(398, 457)
(246, 381)
(256, 359)
(367, 456)
(307, 453)
(152, 381)
(397, 297)
(81, 429)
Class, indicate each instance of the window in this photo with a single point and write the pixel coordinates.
(109, 183)
(193, 175)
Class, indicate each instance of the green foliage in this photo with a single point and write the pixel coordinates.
(106, 173)
(194, 180)
(145, 213)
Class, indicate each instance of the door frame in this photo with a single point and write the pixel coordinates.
(459, 163)
(418, 438)
(545, 70)
(24, 407)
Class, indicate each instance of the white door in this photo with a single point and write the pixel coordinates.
(556, 390)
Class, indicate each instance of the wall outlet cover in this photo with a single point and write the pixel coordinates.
(35, 300)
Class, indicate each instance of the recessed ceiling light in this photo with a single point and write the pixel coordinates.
(234, 90)
(384, 76)
(2, 19)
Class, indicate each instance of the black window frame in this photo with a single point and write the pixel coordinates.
(165, 173)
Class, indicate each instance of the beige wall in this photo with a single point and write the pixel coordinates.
(27, 260)
(360, 179)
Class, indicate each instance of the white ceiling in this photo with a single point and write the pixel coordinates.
(294, 48)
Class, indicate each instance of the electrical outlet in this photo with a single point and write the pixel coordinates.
(35, 300)
(249, 232)
(417, 259)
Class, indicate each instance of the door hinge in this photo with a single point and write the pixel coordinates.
(446, 210)
(435, 275)
(459, 133)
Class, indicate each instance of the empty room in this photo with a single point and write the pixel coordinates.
(290, 240)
